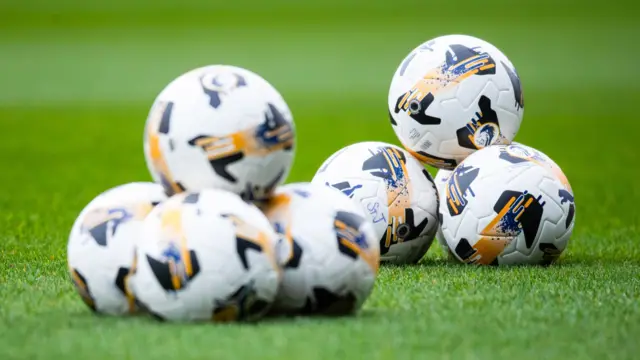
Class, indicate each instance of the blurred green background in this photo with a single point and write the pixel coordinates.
(78, 77)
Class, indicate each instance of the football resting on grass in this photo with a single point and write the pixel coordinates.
(395, 192)
(508, 204)
(330, 253)
(206, 256)
(100, 251)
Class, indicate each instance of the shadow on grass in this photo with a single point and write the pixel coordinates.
(564, 261)
(277, 320)
(425, 262)
(593, 260)
(87, 318)
(589, 261)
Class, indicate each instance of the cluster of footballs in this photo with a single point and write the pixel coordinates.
(217, 237)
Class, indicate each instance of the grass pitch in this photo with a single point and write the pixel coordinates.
(76, 88)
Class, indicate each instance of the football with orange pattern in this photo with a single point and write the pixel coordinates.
(101, 245)
(395, 192)
(329, 251)
(220, 127)
(205, 256)
(508, 204)
(453, 95)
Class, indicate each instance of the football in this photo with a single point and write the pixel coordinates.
(206, 256)
(508, 204)
(394, 190)
(220, 127)
(442, 177)
(453, 95)
(101, 245)
(330, 251)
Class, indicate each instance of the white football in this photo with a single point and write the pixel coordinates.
(508, 204)
(206, 256)
(220, 127)
(453, 95)
(393, 189)
(330, 251)
(101, 245)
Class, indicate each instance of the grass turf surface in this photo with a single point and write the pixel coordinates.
(76, 90)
